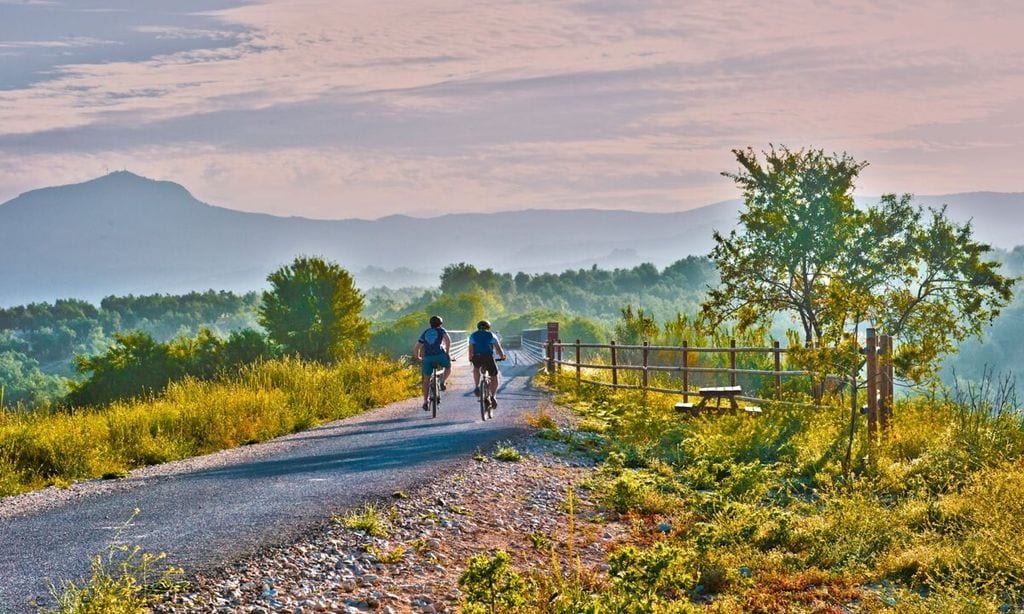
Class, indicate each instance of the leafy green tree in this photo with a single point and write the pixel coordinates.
(806, 249)
(464, 310)
(200, 356)
(462, 277)
(23, 382)
(587, 331)
(635, 327)
(313, 309)
(134, 365)
(247, 346)
(397, 338)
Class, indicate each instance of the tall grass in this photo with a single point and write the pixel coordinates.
(764, 517)
(191, 417)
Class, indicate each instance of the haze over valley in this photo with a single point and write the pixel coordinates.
(125, 234)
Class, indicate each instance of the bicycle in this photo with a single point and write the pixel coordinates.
(434, 391)
(484, 390)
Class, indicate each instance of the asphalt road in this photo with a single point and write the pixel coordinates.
(207, 516)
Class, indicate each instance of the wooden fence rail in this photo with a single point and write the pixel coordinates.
(878, 379)
(878, 376)
(556, 349)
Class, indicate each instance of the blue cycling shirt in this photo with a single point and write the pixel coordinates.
(483, 342)
(431, 340)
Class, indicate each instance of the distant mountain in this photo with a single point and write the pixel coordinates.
(997, 218)
(122, 233)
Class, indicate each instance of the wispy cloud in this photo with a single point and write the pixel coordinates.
(330, 108)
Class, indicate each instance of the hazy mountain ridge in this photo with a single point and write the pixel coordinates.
(122, 233)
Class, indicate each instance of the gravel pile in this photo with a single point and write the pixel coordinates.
(516, 506)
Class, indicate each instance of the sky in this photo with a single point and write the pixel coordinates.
(338, 109)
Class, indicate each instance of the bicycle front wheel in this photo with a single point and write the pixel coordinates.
(433, 397)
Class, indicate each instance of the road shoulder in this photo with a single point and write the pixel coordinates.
(483, 506)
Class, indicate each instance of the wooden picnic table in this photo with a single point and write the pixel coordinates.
(716, 393)
(719, 393)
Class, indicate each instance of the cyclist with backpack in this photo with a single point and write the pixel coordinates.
(433, 349)
(482, 344)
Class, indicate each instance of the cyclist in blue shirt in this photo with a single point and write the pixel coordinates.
(433, 349)
(482, 345)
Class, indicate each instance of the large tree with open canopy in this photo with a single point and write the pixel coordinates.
(804, 247)
(313, 309)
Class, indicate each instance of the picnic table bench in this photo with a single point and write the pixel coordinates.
(717, 394)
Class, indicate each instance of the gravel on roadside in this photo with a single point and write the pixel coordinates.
(520, 507)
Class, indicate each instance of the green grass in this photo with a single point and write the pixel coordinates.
(764, 515)
(369, 519)
(506, 452)
(192, 417)
(123, 580)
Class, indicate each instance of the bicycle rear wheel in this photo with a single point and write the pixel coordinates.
(484, 399)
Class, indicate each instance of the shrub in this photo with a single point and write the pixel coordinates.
(663, 571)
(491, 585)
(541, 420)
(508, 453)
(367, 519)
(124, 580)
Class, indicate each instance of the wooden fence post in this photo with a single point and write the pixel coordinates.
(817, 384)
(778, 369)
(872, 383)
(854, 391)
(854, 411)
(686, 371)
(551, 356)
(558, 355)
(886, 381)
(615, 372)
(732, 362)
(644, 372)
(577, 363)
(552, 339)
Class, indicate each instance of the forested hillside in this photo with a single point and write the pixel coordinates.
(39, 341)
(589, 302)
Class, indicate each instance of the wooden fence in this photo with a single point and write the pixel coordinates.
(877, 380)
(569, 355)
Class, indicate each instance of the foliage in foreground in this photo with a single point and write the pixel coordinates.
(368, 519)
(191, 417)
(123, 580)
(734, 513)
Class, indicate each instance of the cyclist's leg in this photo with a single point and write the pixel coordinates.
(476, 376)
(492, 368)
(447, 363)
(428, 368)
